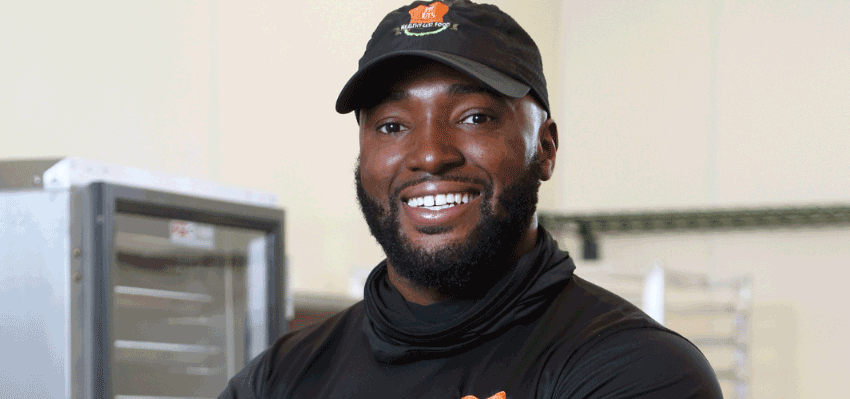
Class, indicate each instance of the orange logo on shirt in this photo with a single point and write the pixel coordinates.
(433, 12)
(500, 395)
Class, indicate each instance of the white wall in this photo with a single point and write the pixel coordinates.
(122, 82)
(683, 104)
(661, 104)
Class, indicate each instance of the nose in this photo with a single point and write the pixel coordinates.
(433, 149)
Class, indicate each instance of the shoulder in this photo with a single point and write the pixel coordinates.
(317, 334)
(641, 362)
(583, 313)
(616, 350)
(288, 355)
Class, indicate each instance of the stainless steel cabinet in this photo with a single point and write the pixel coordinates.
(110, 290)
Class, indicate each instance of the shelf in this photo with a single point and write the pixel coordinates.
(706, 219)
(163, 294)
(164, 353)
(587, 225)
(168, 347)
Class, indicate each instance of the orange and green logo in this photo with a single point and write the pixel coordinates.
(426, 20)
(500, 395)
(431, 13)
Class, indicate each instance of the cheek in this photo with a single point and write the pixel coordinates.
(378, 168)
(530, 147)
(535, 119)
(503, 159)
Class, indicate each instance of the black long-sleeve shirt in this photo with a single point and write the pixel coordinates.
(540, 333)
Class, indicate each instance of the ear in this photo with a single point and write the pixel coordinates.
(547, 148)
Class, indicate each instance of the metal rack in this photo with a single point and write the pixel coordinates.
(587, 225)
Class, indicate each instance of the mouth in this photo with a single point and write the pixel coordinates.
(441, 201)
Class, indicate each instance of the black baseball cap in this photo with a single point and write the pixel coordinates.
(478, 39)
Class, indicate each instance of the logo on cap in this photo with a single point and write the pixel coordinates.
(426, 20)
(428, 14)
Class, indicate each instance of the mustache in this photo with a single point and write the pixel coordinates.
(431, 178)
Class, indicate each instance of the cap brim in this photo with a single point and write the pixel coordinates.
(348, 97)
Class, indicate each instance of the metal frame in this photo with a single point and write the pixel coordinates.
(707, 219)
(104, 200)
(78, 223)
(24, 174)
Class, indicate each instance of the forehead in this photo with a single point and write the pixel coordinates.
(431, 70)
(396, 80)
(436, 79)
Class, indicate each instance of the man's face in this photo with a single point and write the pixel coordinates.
(448, 175)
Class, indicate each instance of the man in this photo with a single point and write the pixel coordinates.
(474, 300)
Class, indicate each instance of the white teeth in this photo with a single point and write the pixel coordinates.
(439, 201)
(438, 207)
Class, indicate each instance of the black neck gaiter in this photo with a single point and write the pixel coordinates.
(401, 332)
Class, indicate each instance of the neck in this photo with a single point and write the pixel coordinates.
(413, 292)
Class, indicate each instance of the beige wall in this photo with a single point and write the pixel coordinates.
(122, 82)
(660, 104)
(683, 104)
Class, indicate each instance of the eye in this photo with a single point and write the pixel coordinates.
(476, 119)
(391, 128)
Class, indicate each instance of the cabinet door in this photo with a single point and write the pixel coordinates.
(180, 305)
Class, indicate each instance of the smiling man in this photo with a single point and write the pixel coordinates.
(474, 300)
(448, 178)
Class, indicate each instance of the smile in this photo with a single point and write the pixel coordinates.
(440, 201)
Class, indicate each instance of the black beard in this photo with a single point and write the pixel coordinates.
(466, 269)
